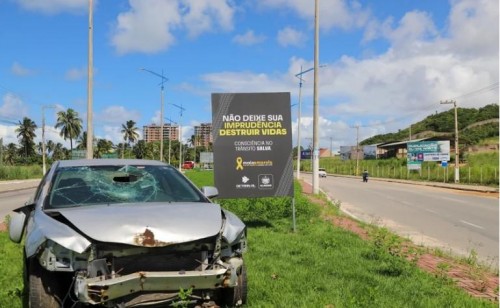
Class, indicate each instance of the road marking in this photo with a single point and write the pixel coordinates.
(454, 200)
(471, 224)
(432, 211)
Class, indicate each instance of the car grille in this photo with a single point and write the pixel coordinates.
(185, 261)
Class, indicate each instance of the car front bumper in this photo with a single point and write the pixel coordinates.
(99, 290)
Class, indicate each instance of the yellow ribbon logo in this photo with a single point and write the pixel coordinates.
(239, 163)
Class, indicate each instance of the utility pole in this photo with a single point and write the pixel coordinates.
(315, 158)
(162, 82)
(44, 168)
(457, 170)
(170, 137)
(90, 128)
(357, 149)
(331, 149)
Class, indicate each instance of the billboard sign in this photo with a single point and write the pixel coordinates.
(429, 151)
(252, 144)
(305, 154)
(78, 154)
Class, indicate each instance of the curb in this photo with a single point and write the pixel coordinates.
(483, 189)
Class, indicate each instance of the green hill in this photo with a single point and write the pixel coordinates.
(474, 125)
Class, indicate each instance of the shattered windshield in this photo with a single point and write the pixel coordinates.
(89, 185)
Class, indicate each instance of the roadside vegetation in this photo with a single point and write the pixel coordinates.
(319, 265)
(479, 169)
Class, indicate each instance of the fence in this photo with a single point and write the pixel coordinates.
(432, 172)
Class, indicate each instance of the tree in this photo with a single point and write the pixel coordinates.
(104, 146)
(81, 143)
(26, 134)
(140, 149)
(50, 146)
(70, 124)
(129, 131)
(10, 155)
(58, 152)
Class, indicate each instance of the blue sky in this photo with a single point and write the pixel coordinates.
(387, 63)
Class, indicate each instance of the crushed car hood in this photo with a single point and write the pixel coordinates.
(147, 224)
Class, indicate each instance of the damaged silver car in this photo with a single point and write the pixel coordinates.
(128, 233)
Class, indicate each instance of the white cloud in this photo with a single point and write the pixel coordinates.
(404, 84)
(56, 6)
(249, 38)
(474, 27)
(8, 134)
(244, 82)
(117, 115)
(19, 70)
(13, 108)
(332, 13)
(291, 37)
(146, 27)
(149, 26)
(206, 16)
(76, 74)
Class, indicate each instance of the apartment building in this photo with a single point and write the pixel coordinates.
(152, 132)
(203, 135)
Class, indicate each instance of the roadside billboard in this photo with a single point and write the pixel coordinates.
(428, 151)
(305, 154)
(252, 144)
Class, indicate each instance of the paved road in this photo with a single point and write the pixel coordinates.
(452, 220)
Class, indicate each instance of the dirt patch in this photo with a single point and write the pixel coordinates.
(3, 227)
(474, 280)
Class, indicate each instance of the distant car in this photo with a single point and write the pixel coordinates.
(128, 233)
(188, 164)
(322, 172)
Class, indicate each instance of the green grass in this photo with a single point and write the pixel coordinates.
(320, 265)
(11, 271)
(20, 172)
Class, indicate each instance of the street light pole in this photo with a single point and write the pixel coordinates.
(162, 82)
(90, 74)
(181, 109)
(457, 170)
(315, 157)
(299, 117)
(170, 137)
(44, 168)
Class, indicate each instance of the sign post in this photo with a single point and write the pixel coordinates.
(252, 144)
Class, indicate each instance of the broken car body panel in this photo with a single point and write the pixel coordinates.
(126, 223)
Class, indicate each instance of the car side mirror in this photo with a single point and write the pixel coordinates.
(17, 222)
(210, 191)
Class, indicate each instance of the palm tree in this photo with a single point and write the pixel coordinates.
(103, 147)
(140, 149)
(70, 124)
(26, 134)
(11, 154)
(129, 131)
(50, 146)
(81, 143)
(58, 152)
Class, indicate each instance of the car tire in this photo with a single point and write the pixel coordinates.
(43, 287)
(237, 296)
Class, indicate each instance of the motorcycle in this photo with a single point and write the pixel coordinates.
(365, 177)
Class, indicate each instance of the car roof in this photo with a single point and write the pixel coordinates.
(108, 161)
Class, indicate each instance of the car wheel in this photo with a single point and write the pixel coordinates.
(237, 296)
(43, 287)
